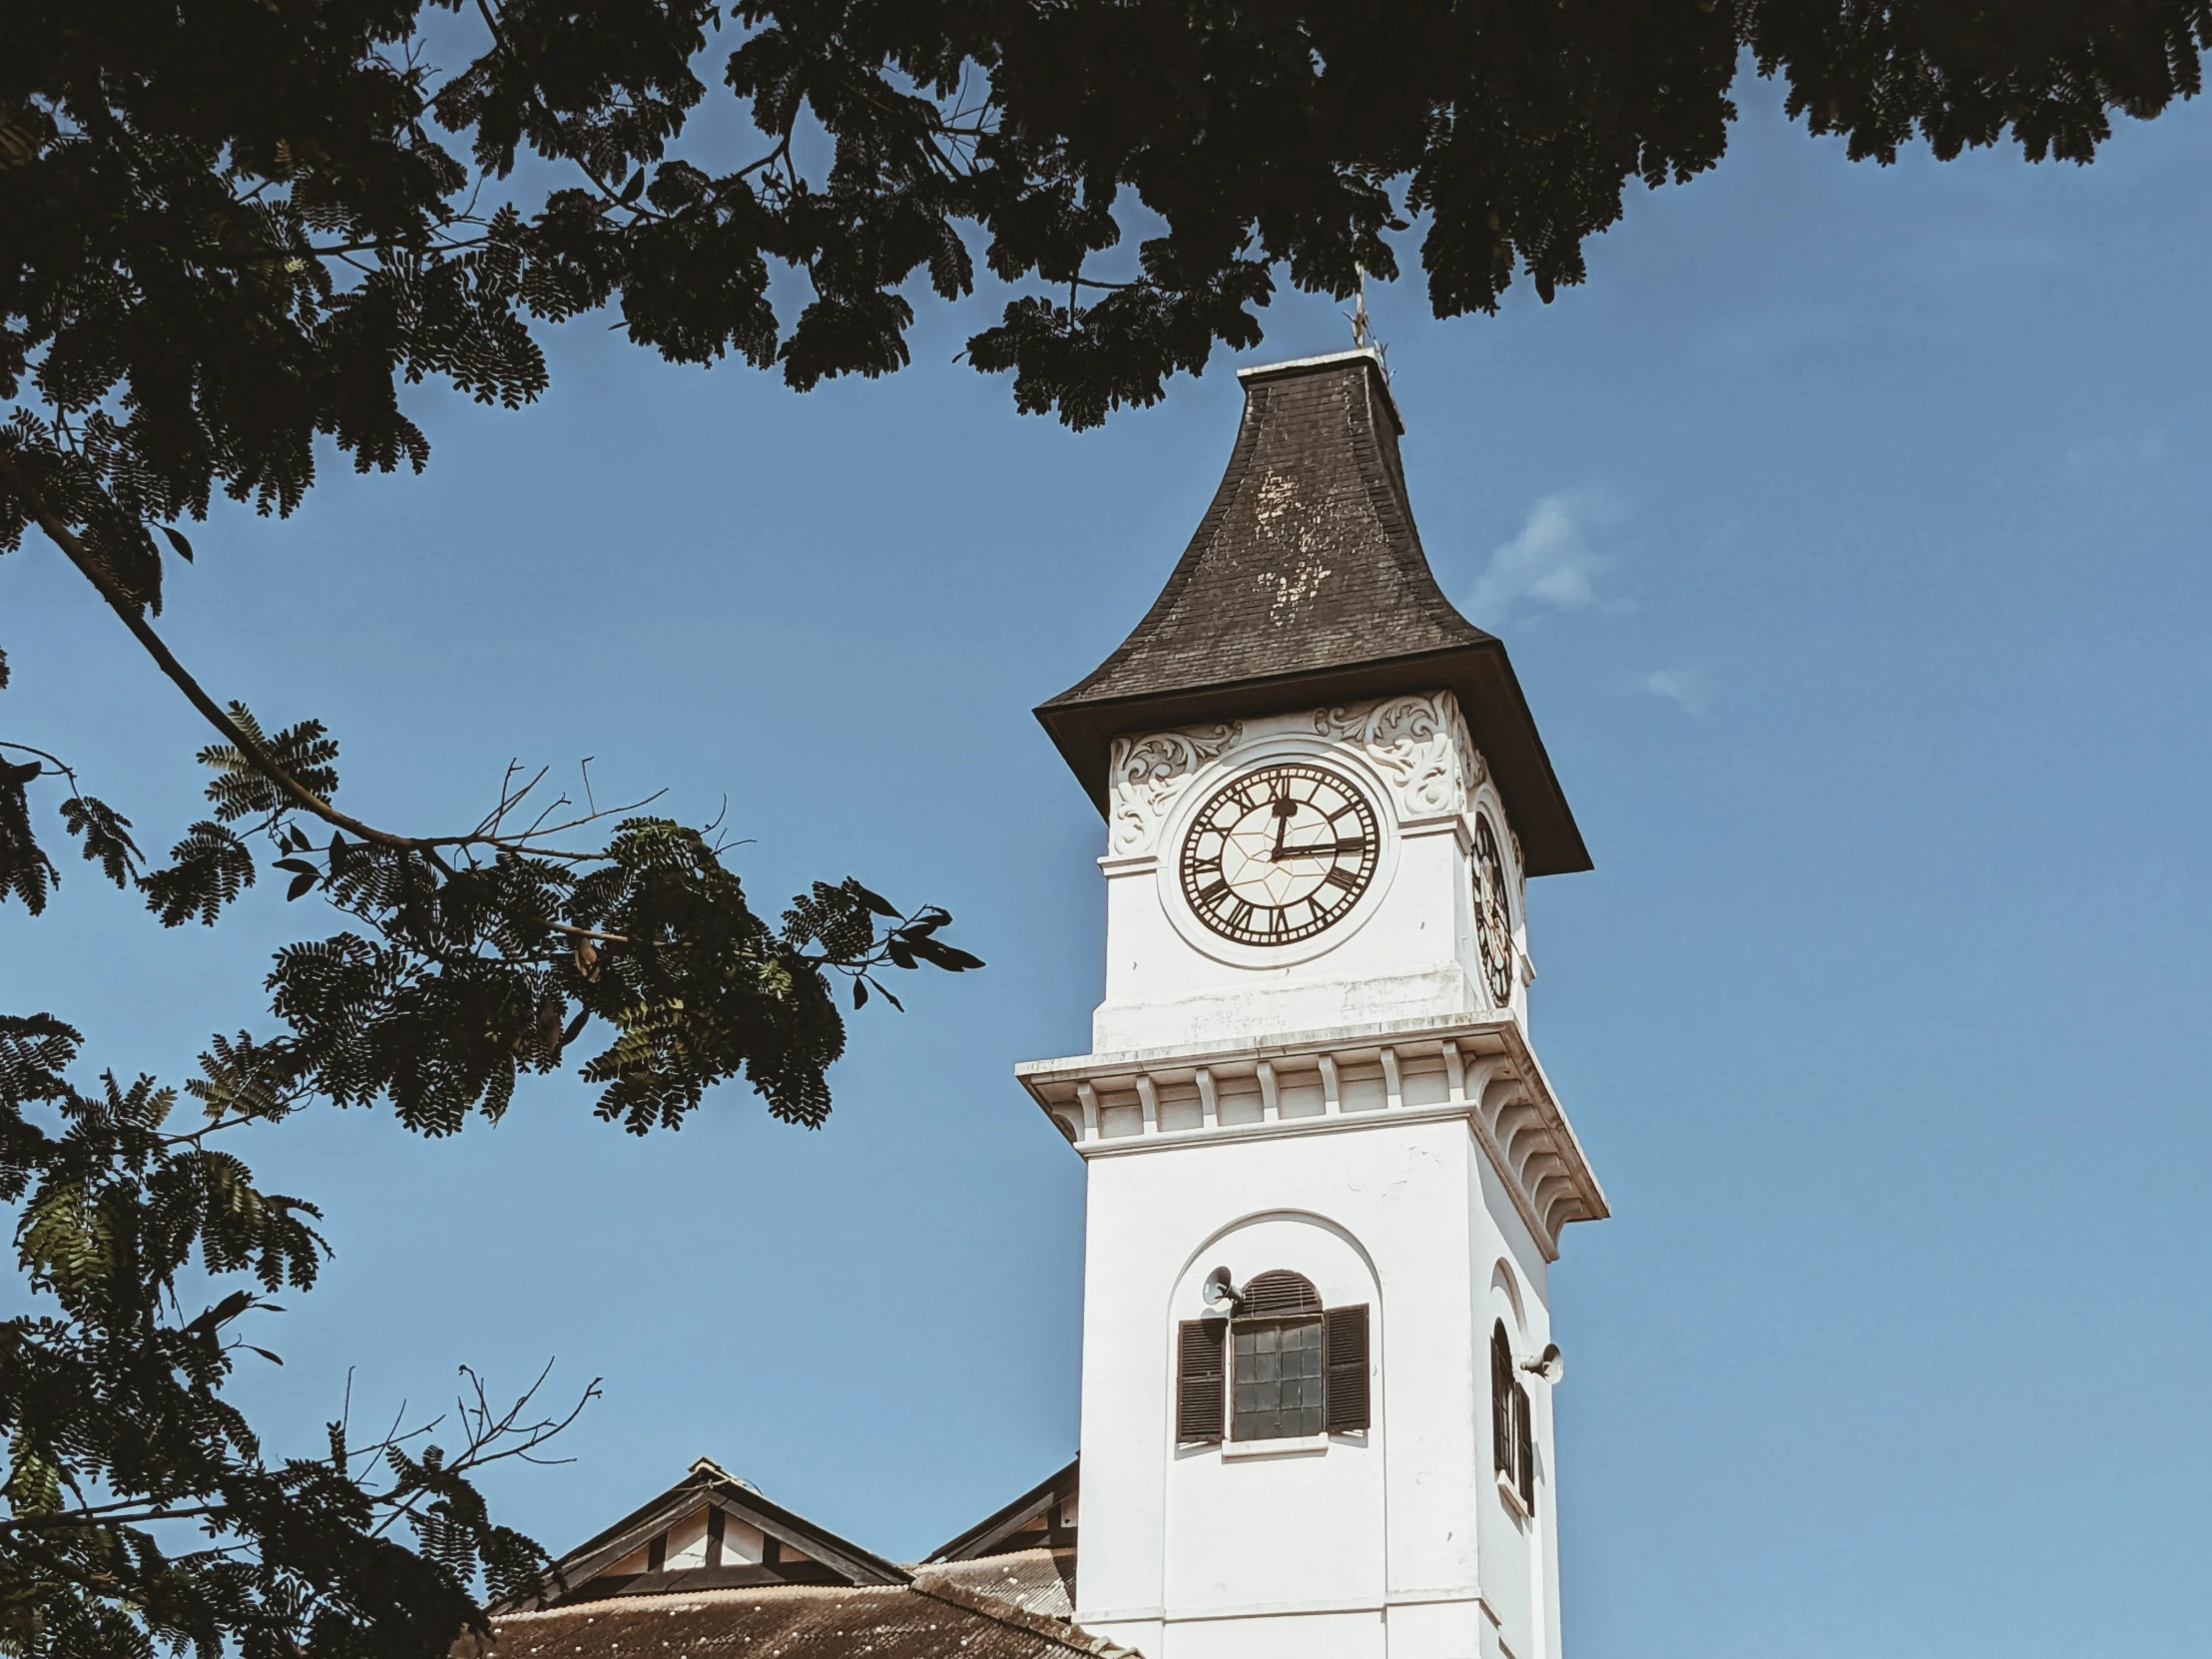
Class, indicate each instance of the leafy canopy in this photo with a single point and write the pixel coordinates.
(234, 225)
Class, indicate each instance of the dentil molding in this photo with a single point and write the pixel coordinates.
(1356, 1079)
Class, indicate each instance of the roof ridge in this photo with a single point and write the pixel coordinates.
(687, 1598)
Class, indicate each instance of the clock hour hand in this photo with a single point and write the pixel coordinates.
(1285, 809)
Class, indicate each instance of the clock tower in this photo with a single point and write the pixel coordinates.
(1327, 1176)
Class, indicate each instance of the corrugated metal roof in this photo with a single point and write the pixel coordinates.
(890, 1621)
(1035, 1580)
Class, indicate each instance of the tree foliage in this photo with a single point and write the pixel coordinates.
(118, 1425)
(471, 961)
(235, 231)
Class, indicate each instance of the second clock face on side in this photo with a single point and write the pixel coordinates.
(1494, 914)
(1281, 853)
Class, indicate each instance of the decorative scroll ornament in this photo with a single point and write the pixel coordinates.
(1148, 773)
(1420, 742)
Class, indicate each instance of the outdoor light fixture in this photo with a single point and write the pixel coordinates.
(1550, 1365)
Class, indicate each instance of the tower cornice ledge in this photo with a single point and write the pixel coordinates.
(1344, 1080)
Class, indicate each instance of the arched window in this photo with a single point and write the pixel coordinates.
(1279, 1367)
(1512, 1439)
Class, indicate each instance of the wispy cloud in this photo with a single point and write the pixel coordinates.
(1550, 562)
(1692, 688)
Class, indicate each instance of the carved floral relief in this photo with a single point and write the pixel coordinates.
(1420, 742)
(1148, 774)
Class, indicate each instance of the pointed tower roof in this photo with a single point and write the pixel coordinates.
(1304, 585)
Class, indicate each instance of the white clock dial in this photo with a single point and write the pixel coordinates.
(1281, 853)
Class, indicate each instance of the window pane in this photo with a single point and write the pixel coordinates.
(1277, 1388)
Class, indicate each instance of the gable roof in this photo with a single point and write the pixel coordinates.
(828, 1557)
(1005, 1599)
(1018, 1525)
(1304, 585)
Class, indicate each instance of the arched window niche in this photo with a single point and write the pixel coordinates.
(1513, 1424)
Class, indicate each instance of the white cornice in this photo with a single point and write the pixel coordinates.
(1488, 1076)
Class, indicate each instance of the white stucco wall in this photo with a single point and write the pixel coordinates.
(1366, 1544)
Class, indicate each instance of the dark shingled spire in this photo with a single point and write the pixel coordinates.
(1306, 584)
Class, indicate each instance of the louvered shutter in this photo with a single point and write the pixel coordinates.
(1200, 1376)
(1524, 1450)
(1345, 1357)
(1501, 1401)
(1278, 1295)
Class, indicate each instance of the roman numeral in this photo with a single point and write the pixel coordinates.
(1339, 877)
(1240, 915)
(1212, 892)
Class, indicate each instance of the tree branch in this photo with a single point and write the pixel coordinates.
(134, 618)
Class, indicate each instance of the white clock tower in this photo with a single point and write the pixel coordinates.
(1327, 1175)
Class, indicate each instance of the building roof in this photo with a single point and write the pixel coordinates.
(926, 1621)
(1035, 1580)
(1038, 1517)
(1306, 585)
(1013, 1598)
(589, 1574)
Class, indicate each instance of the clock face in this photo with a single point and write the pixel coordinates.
(1281, 853)
(1494, 914)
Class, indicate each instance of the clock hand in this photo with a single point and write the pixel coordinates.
(1320, 849)
(1285, 809)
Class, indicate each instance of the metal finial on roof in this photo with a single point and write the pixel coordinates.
(1362, 326)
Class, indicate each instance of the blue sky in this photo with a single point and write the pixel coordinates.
(1848, 531)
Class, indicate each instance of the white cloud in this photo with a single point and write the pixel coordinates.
(1690, 686)
(1549, 563)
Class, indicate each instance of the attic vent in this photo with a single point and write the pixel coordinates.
(1279, 1295)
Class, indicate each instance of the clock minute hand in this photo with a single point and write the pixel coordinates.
(1320, 849)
